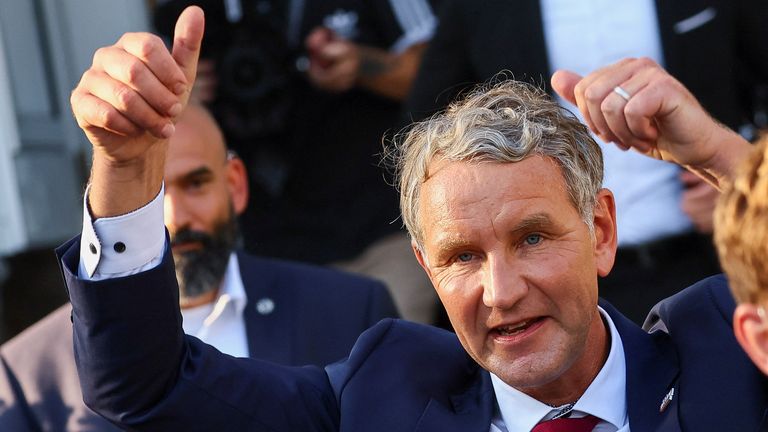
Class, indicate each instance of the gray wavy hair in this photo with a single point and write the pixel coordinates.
(498, 122)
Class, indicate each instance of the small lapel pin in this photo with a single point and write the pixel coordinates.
(667, 400)
(265, 306)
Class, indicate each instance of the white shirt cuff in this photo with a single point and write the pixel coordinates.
(122, 245)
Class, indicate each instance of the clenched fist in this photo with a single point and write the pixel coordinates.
(637, 104)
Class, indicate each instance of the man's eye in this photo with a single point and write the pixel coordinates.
(465, 257)
(533, 239)
(195, 184)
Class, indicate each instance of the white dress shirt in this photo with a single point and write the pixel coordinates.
(583, 36)
(219, 323)
(605, 397)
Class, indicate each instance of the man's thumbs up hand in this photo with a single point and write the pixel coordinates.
(126, 104)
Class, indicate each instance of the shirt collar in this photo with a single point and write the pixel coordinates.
(232, 288)
(604, 398)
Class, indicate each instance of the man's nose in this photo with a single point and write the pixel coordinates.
(503, 285)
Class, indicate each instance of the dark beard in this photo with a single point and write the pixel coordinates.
(201, 271)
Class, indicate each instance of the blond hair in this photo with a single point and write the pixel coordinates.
(741, 228)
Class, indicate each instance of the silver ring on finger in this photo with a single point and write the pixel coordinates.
(621, 92)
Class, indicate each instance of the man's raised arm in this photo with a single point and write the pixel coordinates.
(126, 103)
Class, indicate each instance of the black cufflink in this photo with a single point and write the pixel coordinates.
(119, 247)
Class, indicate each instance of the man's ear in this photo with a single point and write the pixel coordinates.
(604, 221)
(420, 258)
(750, 326)
(237, 182)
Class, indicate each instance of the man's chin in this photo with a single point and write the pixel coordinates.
(527, 372)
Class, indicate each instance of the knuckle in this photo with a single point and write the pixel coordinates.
(126, 37)
(579, 89)
(608, 106)
(133, 70)
(149, 45)
(87, 75)
(87, 78)
(74, 102)
(592, 94)
(666, 81)
(74, 98)
(156, 41)
(646, 61)
(124, 96)
(106, 117)
(627, 60)
(99, 54)
(631, 109)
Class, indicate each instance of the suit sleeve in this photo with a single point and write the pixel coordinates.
(141, 372)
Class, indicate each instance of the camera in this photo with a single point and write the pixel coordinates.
(256, 68)
(257, 76)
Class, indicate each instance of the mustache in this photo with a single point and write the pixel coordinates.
(188, 235)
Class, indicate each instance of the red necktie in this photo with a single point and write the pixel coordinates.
(582, 424)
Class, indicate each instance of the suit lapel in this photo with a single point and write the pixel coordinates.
(268, 332)
(652, 371)
(467, 411)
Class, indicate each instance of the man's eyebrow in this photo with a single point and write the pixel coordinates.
(451, 243)
(201, 172)
(198, 172)
(533, 222)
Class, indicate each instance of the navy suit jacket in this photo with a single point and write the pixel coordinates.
(318, 314)
(399, 376)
